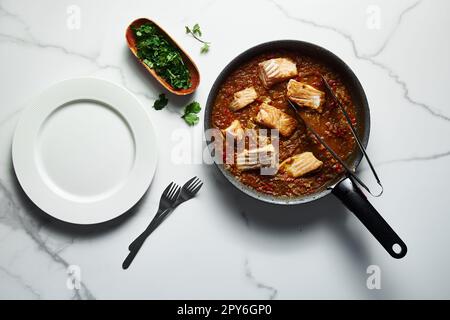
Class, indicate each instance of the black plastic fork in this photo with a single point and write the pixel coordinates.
(168, 199)
(188, 191)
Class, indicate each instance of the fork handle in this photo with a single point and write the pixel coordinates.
(157, 215)
(151, 227)
(136, 245)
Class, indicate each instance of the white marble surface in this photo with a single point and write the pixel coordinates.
(223, 245)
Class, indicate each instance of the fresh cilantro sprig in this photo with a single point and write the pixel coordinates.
(191, 113)
(197, 33)
(161, 102)
(159, 54)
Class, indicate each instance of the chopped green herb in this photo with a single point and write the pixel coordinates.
(157, 53)
(190, 113)
(191, 119)
(161, 102)
(193, 107)
(197, 33)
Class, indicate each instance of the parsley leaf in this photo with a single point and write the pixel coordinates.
(196, 30)
(191, 118)
(204, 48)
(190, 113)
(193, 107)
(161, 102)
(197, 33)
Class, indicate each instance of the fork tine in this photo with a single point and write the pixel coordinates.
(194, 186)
(188, 183)
(167, 195)
(176, 193)
(172, 191)
(166, 191)
(195, 182)
(197, 188)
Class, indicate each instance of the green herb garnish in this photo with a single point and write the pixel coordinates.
(161, 102)
(197, 33)
(193, 107)
(157, 53)
(204, 48)
(191, 119)
(191, 113)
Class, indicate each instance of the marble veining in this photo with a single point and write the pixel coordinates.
(239, 249)
(248, 273)
(370, 57)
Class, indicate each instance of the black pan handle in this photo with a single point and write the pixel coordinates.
(352, 197)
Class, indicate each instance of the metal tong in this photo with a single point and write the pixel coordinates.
(350, 172)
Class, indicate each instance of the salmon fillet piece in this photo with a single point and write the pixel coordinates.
(305, 95)
(274, 118)
(234, 130)
(256, 158)
(243, 98)
(300, 164)
(276, 70)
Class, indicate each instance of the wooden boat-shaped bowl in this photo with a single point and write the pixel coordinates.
(193, 70)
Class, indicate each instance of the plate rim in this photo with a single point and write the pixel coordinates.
(148, 145)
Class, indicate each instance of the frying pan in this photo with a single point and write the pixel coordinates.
(343, 187)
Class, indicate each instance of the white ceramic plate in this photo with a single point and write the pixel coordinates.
(85, 151)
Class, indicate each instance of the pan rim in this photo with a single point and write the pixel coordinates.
(259, 49)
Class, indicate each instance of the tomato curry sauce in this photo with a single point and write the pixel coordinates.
(330, 124)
